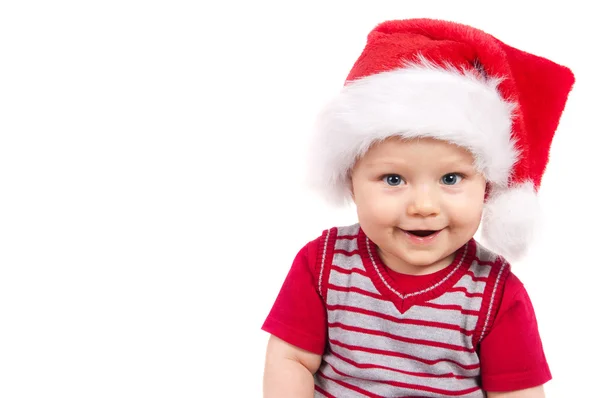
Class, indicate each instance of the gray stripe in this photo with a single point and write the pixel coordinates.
(431, 333)
(460, 299)
(326, 369)
(476, 394)
(400, 363)
(426, 352)
(318, 394)
(335, 297)
(452, 317)
(346, 244)
(349, 230)
(332, 387)
(381, 389)
(471, 286)
(484, 254)
(348, 262)
(446, 383)
(480, 270)
(352, 280)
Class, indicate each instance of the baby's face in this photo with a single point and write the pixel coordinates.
(418, 201)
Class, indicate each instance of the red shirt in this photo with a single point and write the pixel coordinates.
(511, 355)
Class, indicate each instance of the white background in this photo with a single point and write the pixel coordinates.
(151, 194)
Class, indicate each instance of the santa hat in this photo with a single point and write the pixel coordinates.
(444, 80)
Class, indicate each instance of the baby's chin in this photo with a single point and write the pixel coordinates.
(414, 261)
(427, 260)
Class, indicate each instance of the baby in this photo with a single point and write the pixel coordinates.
(440, 127)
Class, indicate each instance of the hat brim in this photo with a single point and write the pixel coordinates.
(418, 100)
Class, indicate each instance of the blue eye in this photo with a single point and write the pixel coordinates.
(451, 179)
(393, 180)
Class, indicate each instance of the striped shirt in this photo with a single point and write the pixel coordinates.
(384, 343)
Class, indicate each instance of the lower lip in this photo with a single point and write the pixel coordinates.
(421, 240)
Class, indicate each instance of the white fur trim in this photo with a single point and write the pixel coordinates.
(510, 219)
(414, 101)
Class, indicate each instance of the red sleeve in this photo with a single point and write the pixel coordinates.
(298, 315)
(512, 357)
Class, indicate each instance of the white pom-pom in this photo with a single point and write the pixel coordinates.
(510, 219)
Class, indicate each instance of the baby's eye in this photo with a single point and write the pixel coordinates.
(451, 179)
(393, 179)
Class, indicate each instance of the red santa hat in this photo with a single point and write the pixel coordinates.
(444, 80)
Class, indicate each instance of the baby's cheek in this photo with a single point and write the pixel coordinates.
(387, 212)
(377, 210)
(467, 213)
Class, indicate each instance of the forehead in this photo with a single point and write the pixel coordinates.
(399, 149)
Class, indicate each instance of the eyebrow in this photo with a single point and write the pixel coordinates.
(453, 161)
(385, 163)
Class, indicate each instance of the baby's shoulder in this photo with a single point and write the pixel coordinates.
(485, 256)
(342, 238)
(329, 235)
(343, 231)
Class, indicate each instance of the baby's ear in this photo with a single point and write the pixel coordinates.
(350, 185)
(488, 189)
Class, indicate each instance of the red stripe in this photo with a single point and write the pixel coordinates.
(465, 291)
(476, 278)
(326, 246)
(418, 374)
(350, 386)
(319, 389)
(493, 297)
(416, 386)
(350, 237)
(450, 307)
(400, 355)
(400, 321)
(481, 262)
(355, 290)
(345, 252)
(349, 271)
(401, 338)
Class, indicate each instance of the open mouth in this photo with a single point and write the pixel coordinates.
(422, 233)
(422, 236)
